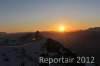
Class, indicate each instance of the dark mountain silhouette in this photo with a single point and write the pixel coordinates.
(82, 42)
(25, 49)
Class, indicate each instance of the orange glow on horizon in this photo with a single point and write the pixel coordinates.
(56, 27)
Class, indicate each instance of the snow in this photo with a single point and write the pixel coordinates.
(23, 55)
(12, 55)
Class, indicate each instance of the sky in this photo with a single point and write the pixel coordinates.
(47, 15)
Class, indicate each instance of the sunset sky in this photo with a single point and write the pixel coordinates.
(48, 15)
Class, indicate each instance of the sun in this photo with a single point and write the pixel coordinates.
(61, 28)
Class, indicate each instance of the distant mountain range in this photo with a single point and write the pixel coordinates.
(24, 49)
(82, 42)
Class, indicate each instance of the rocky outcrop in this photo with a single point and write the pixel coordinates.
(28, 54)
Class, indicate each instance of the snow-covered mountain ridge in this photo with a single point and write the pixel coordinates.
(28, 54)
